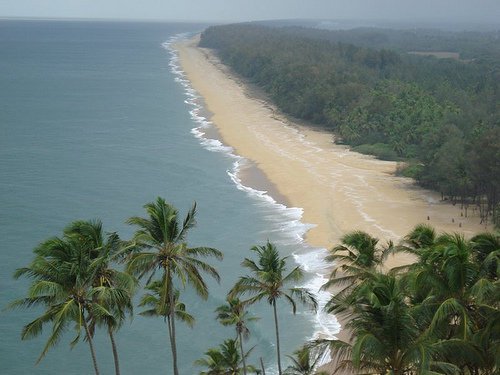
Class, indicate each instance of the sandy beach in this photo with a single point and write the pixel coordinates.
(338, 190)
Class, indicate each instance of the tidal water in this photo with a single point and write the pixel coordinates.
(96, 119)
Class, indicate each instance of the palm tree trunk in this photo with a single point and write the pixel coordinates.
(242, 354)
(277, 336)
(115, 352)
(172, 322)
(262, 366)
(91, 345)
(170, 333)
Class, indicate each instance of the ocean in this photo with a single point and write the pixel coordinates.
(97, 119)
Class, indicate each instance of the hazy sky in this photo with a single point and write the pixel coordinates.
(246, 10)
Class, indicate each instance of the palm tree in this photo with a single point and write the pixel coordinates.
(214, 362)
(225, 360)
(233, 313)
(305, 361)
(113, 289)
(462, 300)
(62, 274)
(386, 335)
(454, 288)
(486, 252)
(269, 281)
(421, 237)
(160, 245)
(356, 257)
(157, 308)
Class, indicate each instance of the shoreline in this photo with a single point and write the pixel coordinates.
(268, 140)
(338, 190)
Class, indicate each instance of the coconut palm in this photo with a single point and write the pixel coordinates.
(234, 313)
(354, 260)
(454, 289)
(63, 274)
(157, 308)
(462, 302)
(486, 252)
(112, 288)
(421, 237)
(225, 360)
(269, 281)
(160, 245)
(386, 335)
(213, 362)
(305, 361)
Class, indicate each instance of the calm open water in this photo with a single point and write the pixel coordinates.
(95, 121)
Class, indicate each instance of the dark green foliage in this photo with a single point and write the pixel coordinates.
(73, 280)
(268, 280)
(224, 360)
(306, 361)
(443, 113)
(234, 313)
(381, 150)
(439, 315)
(159, 244)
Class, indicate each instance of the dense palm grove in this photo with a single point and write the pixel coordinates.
(439, 115)
(438, 315)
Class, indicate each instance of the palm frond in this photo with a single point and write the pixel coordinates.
(189, 222)
(306, 297)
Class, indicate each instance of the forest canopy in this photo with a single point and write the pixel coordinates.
(388, 93)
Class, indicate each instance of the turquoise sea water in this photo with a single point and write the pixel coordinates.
(95, 121)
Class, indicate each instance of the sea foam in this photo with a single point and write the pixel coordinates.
(283, 220)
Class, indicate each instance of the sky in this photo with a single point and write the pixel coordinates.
(474, 11)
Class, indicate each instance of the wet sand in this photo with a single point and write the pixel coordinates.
(339, 190)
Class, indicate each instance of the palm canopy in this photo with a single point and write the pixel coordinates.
(225, 360)
(355, 259)
(234, 313)
(64, 274)
(386, 336)
(269, 281)
(164, 235)
(159, 244)
(112, 287)
(305, 361)
(420, 237)
(438, 317)
(486, 252)
(152, 300)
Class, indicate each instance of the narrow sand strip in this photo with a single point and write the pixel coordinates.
(339, 190)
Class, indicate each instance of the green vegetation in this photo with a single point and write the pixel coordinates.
(269, 281)
(442, 115)
(73, 281)
(439, 315)
(234, 313)
(224, 360)
(164, 234)
(305, 361)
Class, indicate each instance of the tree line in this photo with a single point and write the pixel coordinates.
(439, 315)
(439, 116)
